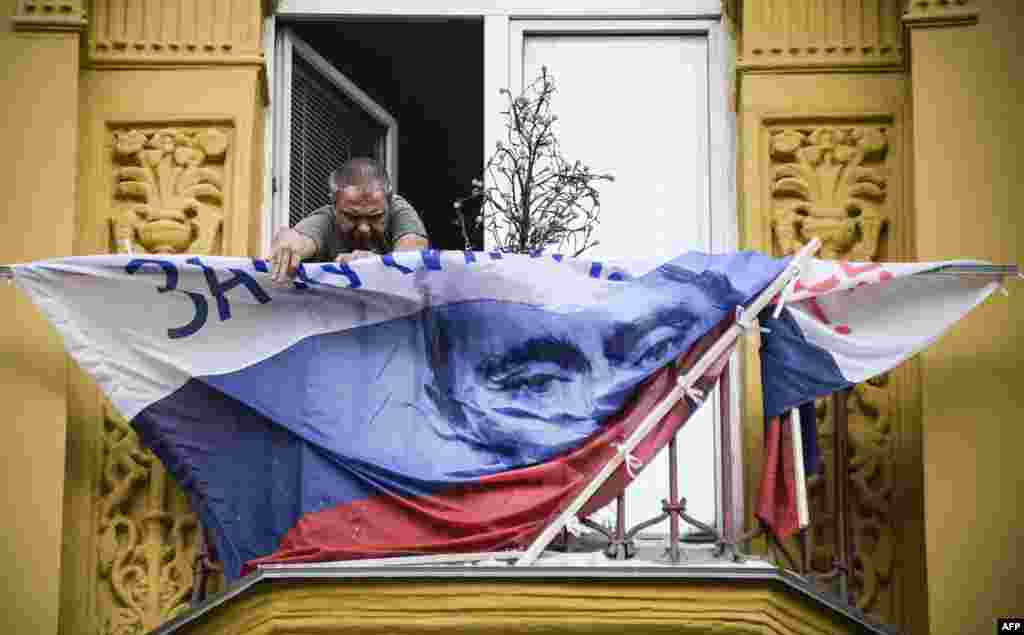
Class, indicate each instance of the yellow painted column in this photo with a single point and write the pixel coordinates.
(172, 93)
(38, 176)
(968, 89)
(825, 130)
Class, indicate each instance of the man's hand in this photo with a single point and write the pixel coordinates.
(408, 242)
(288, 250)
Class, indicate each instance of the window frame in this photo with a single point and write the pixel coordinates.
(721, 229)
(286, 45)
(505, 20)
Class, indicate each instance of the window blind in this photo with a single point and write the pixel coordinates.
(327, 129)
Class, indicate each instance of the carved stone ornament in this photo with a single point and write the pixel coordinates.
(175, 32)
(33, 15)
(147, 536)
(168, 198)
(938, 13)
(781, 34)
(168, 190)
(829, 182)
(831, 179)
(872, 429)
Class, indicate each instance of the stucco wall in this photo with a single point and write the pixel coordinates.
(39, 134)
(966, 90)
(968, 94)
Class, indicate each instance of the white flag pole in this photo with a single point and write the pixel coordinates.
(684, 384)
(797, 438)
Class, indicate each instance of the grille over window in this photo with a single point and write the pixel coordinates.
(327, 129)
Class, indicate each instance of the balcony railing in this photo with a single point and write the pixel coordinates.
(730, 541)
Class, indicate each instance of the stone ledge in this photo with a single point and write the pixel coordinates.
(741, 599)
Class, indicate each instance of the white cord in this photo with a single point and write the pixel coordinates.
(786, 292)
(694, 393)
(632, 463)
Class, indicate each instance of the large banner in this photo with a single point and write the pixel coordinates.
(427, 402)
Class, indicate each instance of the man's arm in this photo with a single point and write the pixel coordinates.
(288, 250)
(406, 228)
(304, 241)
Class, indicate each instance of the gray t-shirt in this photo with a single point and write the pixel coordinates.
(322, 228)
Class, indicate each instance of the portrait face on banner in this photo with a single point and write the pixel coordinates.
(531, 382)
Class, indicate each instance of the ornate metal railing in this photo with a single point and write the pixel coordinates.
(622, 539)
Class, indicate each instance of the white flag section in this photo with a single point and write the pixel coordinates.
(431, 402)
(143, 326)
(847, 322)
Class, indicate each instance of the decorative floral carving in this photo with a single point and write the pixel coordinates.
(829, 182)
(872, 440)
(169, 190)
(169, 187)
(871, 421)
(147, 536)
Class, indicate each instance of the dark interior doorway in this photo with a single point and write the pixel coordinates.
(429, 75)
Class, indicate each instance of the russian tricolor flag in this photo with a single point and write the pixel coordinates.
(845, 323)
(428, 402)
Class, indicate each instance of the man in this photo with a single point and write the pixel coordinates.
(365, 218)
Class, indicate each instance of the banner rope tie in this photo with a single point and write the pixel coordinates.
(786, 292)
(632, 462)
(747, 325)
(694, 393)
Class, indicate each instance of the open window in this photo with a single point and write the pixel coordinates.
(381, 88)
(323, 119)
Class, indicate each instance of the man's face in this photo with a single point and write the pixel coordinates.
(361, 213)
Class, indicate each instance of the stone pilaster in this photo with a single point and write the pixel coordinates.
(825, 134)
(170, 162)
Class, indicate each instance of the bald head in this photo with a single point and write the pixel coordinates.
(363, 173)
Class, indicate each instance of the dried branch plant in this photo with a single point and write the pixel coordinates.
(534, 199)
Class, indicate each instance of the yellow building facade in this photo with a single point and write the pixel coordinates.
(919, 99)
